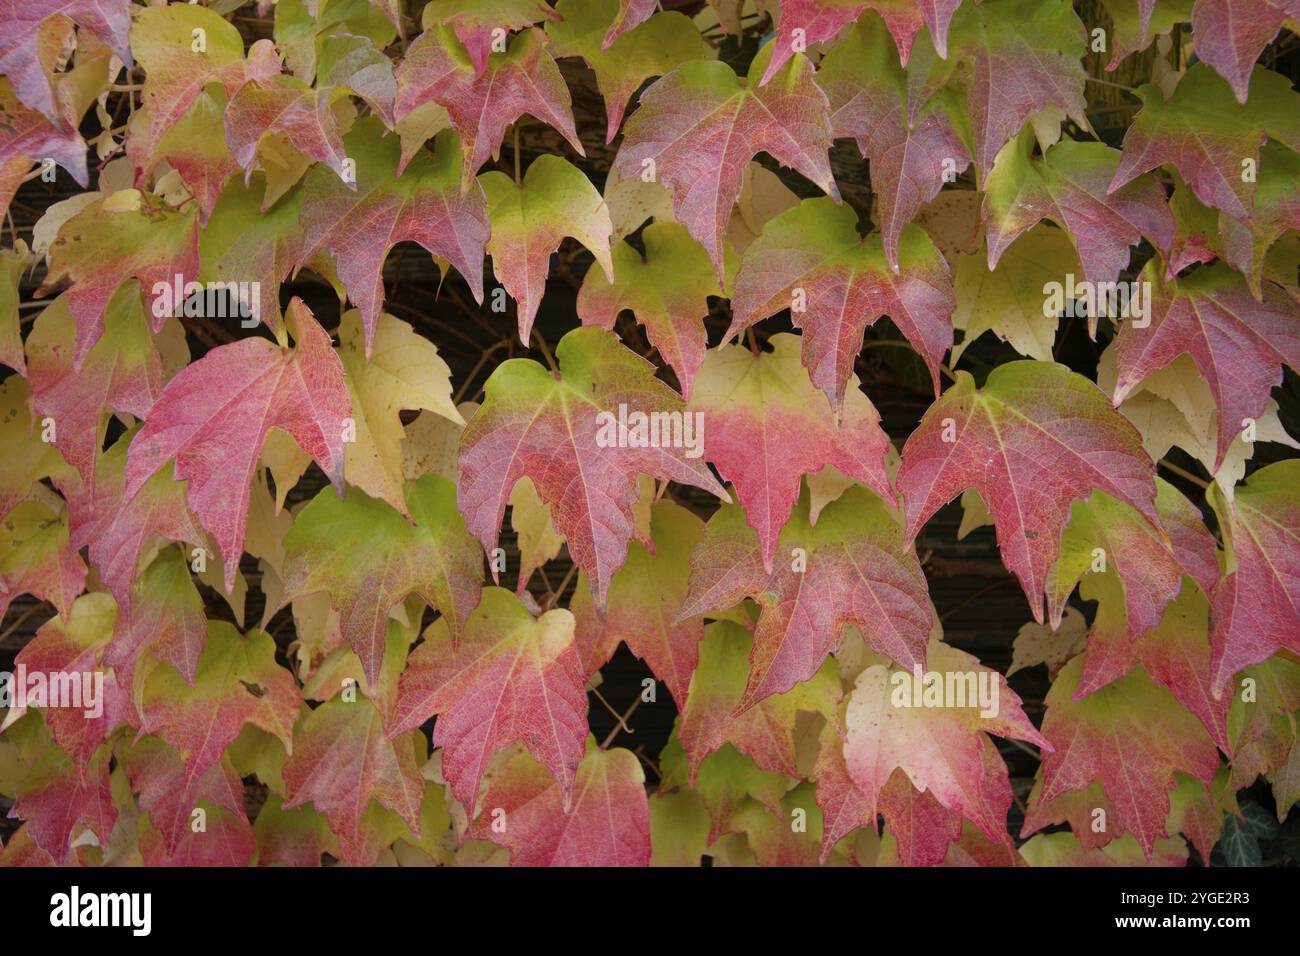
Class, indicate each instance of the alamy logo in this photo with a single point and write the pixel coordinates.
(947, 689)
(103, 909)
(80, 690)
(1081, 300)
(213, 300)
(651, 430)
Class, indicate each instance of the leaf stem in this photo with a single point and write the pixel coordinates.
(1183, 473)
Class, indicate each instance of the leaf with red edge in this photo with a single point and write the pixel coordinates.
(512, 678)
(622, 65)
(698, 128)
(1239, 345)
(631, 14)
(353, 228)
(60, 804)
(476, 22)
(858, 572)
(25, 42)
(195, 147)
(111, 241)
(26, 137)
(1132, 568)
(35, 557)
(768, 427)
(1255, 607)
(910, 160)
(123, 371)
(644, 599)
(667, 291)
(165, 617)
(1068, 184)
(1230, 35)
(523, 79)
(1203, 132)
(811, 260)
(1130, 737)
(237, 682)
(287, 106)
(1021, 56)
(165, 793)
(369, 559)
(226, 840)
(563, 432)
(342, 761)
(213, 418)
(530, 218)
(712, 713)
(1136, 23)
(606, 823)
(891, 723)
(163, 40)
(1034, 439)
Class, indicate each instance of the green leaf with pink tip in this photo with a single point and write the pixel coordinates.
(811, 260)
(476, 22)
(213, 418)
(529, 219)
(286, 106)
(369, 559)
(36, 559)
(1230, 35)
(653, 46)
(667, 292)
(1033, 440)
(697, 129)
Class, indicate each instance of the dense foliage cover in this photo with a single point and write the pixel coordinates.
(773, 195)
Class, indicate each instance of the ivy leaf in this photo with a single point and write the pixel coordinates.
(1203, 132)
(606, 823)
(769, 427)
(939, 748)
(27, 458)
(529, 220)
(1237, 344)
(404, 372)
(1255, 608)
(1034, 439)
(354, 62)
(811, 260)
(1230, 35)
(1068, 184)
(237, 682)
(357, 227)
(712, 713)
(169, 797)
(511, 678)
(698, 128)
(431, 556)
(59, 803)
(1009, 301)
(1023, 57)
(1138, 22)
(850, 568)
(667, 291)
(163, 40)
(215, 414)
(112, 240)
(341, 762)
(35, 557)
(286, 106)
(303, 29)
(635, 48)
(475, 21)
(524, 79)
(26, 136)
(25, 48)
(1130, 736)
(165, 616)
(195, 147)
(644, 597)
(549, 428)
(910, 160)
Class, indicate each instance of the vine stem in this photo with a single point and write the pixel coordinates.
(622, 722)
(545, 350)
(1183, 473)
